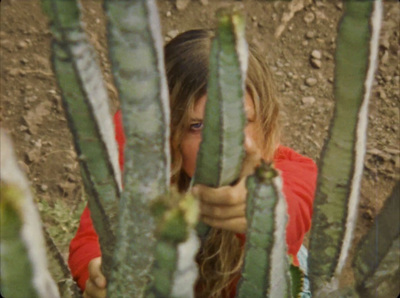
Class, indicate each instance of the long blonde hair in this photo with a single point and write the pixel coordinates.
(187, 56)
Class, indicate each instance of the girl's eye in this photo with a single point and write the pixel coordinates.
(196, 126)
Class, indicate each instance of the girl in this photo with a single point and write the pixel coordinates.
(221, 256)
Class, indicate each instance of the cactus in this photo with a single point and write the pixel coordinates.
(138, 68)
(221, 151)
(376, 263)
(146, 231)
(265, 271)
(343, 154)
(24, 270)
(86, 105)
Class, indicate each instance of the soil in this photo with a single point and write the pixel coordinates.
(287, 32)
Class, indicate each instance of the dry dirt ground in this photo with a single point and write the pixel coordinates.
(298, 41)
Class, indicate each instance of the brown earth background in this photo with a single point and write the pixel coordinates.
(298, 41)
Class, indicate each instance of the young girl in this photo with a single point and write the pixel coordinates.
(221, 256)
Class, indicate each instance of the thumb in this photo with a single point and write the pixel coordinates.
(95, 273)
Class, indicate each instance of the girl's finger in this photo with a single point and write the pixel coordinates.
(222, 211)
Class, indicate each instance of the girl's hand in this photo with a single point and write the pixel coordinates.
(96, 284)
(225, 207)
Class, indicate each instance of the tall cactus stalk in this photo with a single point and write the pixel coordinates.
(221, 153)
(24, 270)
(136, 51)
(265, 271)
(175, 270)
(85, 100)
(376, 263)
(342, 158)
(219, 160)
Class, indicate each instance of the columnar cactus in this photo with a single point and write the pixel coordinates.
(335, 207)
(24, 271)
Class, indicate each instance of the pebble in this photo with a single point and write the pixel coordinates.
(172, 33)
(316, 54)
(310, 34)
(309, 17)
(204, 2)
(24, 61)
(44, 187)
(308, 100)
(22, 45)
(316, 63)
(168, 14)
(182, 4)
(311, 82)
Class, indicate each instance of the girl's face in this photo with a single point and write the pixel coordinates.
(192, 136)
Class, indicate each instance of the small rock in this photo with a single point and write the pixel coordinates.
(24, 167)
(44, 187)
(66, 188)
(309, 17)
(382, 94)
(288, 84)
(23, 128)
(303, 87)
(308, 100)
(385, 58)
(22, 45)
(24, 61)
(32, 156)
(168, 14)
(13, 72)
(367, 214)
(316, 54)
(310, 34)
(172, 33)
(182, 4)
(311, 82)
(254, 18)
(68, 168)
(330, 80)
(339, 5)
(316, 63)
(204, 2)
(304, 43)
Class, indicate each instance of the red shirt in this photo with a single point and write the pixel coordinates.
(299, 175)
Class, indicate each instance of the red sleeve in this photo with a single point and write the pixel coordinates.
(299, 175)
(85, 245)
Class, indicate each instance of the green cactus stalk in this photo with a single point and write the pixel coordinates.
(335, 207)
(221, 152)
(24, 270)
(376, 263)
(135, 45)
(86, 104)
(265, 270)
(175, 269)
